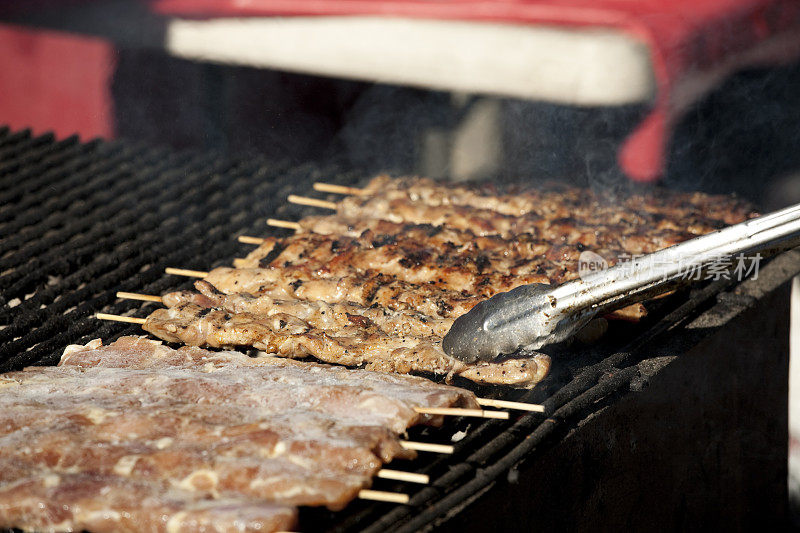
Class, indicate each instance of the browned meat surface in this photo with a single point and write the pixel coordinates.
(367, 290)
(556, 200)
(317, 313)
(379, 283)
(288, 336)
(49, 501)
(538, 233)
(136, 436)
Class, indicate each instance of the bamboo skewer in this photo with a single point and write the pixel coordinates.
(445, 449)
(400, 475)
(339, 189)
(288, 224)
(185, 272)
(383, 496)
(120, 318)
(245, 239)
(137, 296)
(313, 202)
(504, 404)
(457, 411)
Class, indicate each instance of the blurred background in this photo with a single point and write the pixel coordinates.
(701, 95)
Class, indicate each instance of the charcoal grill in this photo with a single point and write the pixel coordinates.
(662, 430)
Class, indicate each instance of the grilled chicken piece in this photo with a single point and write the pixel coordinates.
(288, 336)
(379, 283)
(365, 290)
(539, 233)
(556, 200)
(318, 314)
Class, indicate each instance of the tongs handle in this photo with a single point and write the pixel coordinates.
(532, 316)
(649, 272)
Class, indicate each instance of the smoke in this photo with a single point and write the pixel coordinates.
(742, 137)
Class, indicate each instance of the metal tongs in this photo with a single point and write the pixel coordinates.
(532, 316)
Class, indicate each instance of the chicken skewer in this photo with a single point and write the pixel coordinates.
(287, 336)
(533, 316)
(551, 200)
(632, 238)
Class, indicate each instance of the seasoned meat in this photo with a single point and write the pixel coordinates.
(556, 200)
(48, 501)
(317, 313)
(288, 336)
(366, 290)
(379, 283)
(137, 436)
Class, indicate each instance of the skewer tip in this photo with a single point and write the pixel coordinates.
(186, 272)
(457, 411)
(288, 224)
(120, 318)
(399, 475)
(339, 189)
(383, 496)
(246, 239)
(504, 404)
(136, 296)
(313, 202)
(446, 449)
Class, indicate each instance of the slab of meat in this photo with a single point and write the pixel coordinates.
(135, 436)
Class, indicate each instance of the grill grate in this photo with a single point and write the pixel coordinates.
(80, 221)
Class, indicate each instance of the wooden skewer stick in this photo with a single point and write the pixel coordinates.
(457, 411)
(184, 272)
(339, 189)
(399, 475)
(503, 404)
(313, 202)
(244, 239)
(239, 262)
(120, 318)
(137, 296)
(288, 224)
(383, 496)
(427, 447)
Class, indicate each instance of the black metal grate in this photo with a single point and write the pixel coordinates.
(80, 221)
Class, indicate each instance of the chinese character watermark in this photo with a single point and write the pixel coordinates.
(648, 266)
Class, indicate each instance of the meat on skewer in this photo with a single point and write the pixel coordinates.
(318, 313)
(288, 336)
(429, 299)
(556, 200)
